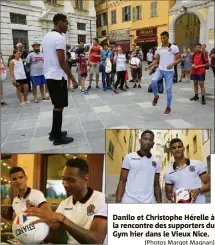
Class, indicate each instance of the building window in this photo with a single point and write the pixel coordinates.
(18, 19)
(20, 37)
(188, 151)
(81, 38)
(154, 8)
(137, 13)
(126, 13)
(113, 17)
(51, 1)
(194, 144)
(111, 149)
(104, 19)
(104, 33)
(98, 21)
(79, 4)
(81, 26)
(205, 135)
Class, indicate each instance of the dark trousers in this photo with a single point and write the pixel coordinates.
(105, 78)
(213, 69)
(120, 79)
(175, 80)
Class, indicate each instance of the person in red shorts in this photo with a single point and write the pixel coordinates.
(199, 62)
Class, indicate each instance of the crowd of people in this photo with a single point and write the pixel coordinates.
(41, 67)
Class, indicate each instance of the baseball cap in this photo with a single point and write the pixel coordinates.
(35, 43)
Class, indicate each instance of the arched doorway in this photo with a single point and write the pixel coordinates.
(187, 30)
(201, 27)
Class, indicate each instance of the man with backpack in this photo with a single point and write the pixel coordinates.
(199, 64)
(106, 66)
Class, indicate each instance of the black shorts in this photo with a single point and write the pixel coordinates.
(58, 92)
(22, 81)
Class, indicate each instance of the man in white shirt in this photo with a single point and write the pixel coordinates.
(26, 196)
(168, 56)
(186, 173)
(57, 71)
(83, 214)
(140, 174)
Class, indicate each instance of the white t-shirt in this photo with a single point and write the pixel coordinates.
(167, 56)
(19, 71)
(150, 57)
(53, 41)
(120, 62)
(83, 212)
(140, 182)
(187, 177)
(34, 196)
(36, 63)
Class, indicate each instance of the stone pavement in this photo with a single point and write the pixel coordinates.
(25, 130)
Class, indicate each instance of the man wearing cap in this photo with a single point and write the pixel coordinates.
(36, 64)
(186, 173)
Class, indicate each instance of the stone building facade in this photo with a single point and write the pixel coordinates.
(28, 21)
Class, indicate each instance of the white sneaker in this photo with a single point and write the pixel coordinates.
(22, 104)
(27, 102)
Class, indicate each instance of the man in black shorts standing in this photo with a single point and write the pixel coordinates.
(57, 71)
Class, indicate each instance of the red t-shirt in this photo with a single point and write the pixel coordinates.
(95, 50)
(197, 60)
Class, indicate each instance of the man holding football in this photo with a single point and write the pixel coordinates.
(186, 173)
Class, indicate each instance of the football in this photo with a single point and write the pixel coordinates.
(182, 195)
(28, 233)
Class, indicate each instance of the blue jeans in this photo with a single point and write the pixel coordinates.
(105, 78)
(168, 76)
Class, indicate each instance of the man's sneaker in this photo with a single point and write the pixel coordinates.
(84, 91)
(139, 86)
(63, 134)
(194, 98)
(88, 88)
(22, 104)
(203, 101)
(104, 89)
(167, 111)
(126, 86)
(97, 87)
(115, 91)
(155, 100)
(27, 102)
(135, 85)
(63, 141)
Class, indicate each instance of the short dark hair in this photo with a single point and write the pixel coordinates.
(96, 39)
(58, 17)
(198, 44)
(148, 132)
(175, 140)
(14, 170)
(165, 33)
(79, 163)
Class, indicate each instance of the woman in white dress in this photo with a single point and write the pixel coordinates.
(19, 78)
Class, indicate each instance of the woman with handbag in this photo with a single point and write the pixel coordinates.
(3, 76)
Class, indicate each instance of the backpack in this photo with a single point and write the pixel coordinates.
(83, 66)
(135, 62)
(108, 66)
(203, 60)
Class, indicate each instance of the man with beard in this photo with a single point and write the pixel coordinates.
(83, 214)
(36, 64)
(186, 173)
(140, 174)
(57, 71)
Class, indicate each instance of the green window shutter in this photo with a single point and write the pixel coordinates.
(140, 12)
(123, 14)
(129, 13)
(134, 13)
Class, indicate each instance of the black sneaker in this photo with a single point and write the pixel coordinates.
(135, 85)
(63, 134)
(126, 86)
(139, 86)
(203, 101)
(194, 98)
(63, 141)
